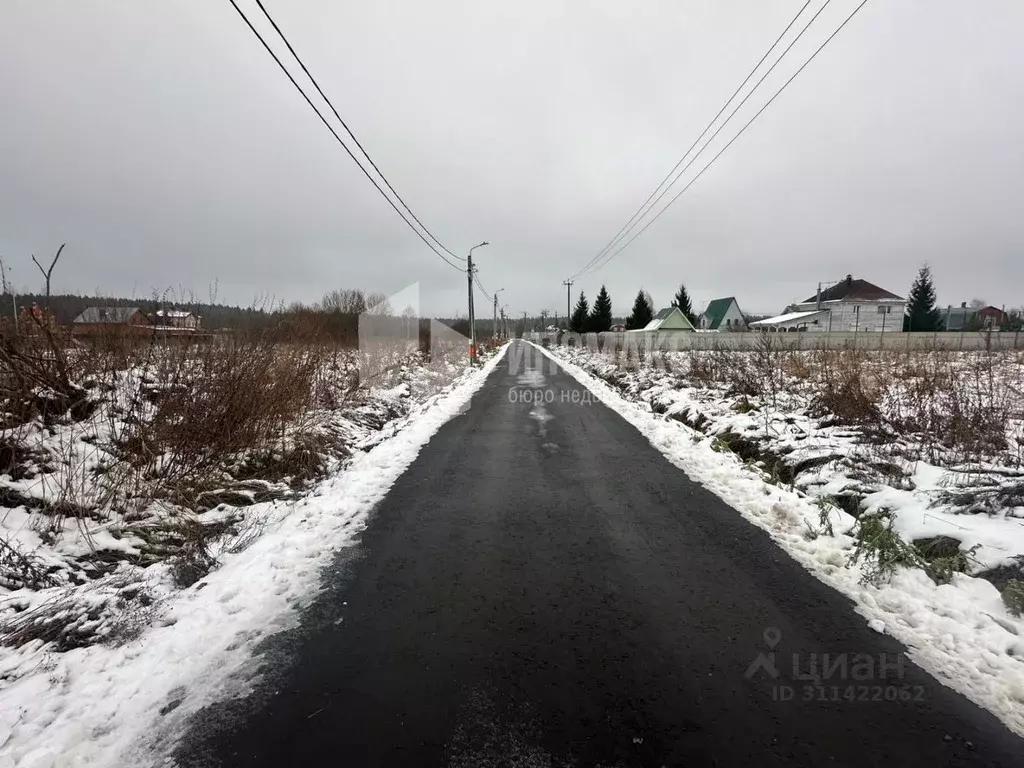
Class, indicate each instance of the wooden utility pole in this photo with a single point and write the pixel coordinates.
(568, 300)
(472, 312)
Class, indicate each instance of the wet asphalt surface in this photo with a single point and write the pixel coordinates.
(542, 588)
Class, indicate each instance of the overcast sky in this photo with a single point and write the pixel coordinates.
(161, 142)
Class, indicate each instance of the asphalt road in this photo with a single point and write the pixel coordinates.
(542, 588)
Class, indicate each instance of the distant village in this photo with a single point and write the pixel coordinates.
(96, 321)
(852, 305)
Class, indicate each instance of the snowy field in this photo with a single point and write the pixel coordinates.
(895, 478)
(124, 607)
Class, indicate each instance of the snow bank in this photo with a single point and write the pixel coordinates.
(103, 706)
(960, 632)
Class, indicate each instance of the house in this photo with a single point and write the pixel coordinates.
(110, 319)
(964, 318)
(851, 305)
(173, 318)
(668, 319)
(992, 318)
(617, 328)
(722, 315)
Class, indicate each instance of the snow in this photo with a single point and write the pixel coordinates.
(101, 706)
(959, 632)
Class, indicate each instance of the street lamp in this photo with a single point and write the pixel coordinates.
(494, 326)
(472, 313)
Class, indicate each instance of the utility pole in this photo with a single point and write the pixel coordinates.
(568, 300)
(494, 326)
(472, 314)
(472, 334)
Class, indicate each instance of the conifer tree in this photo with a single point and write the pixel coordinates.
(682, 300)
(600, 319)
(922, 314)
(642, 312)
(580, 314)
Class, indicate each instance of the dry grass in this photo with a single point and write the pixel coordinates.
(955, 407)
(107, 428)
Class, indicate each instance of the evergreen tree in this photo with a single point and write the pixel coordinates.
(642, 312)
(922, 314)
(600, 319)
(580, 313)
(682, 300)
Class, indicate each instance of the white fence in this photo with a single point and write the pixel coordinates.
(683, 340)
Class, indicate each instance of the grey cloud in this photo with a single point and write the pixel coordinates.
(161, 142)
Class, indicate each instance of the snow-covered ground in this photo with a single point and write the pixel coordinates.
(166, 652)
(798, 464)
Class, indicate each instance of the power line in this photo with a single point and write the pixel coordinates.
(349, 130)
(732, 114)
(740, 133)
(476, 277)
(339, 139)
(640, 212)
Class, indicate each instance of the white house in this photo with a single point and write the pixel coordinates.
(173, 318)
(850, 305)
(722, 315)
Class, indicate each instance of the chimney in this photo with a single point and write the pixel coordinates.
(963, 305)
(849, 279)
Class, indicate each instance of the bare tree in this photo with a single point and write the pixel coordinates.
(345, 300)
(48, 272)
(378, 304)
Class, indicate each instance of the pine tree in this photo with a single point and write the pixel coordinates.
(682, 300)
(922, 314)
(580, 313)
(600, 319)
(642, 312)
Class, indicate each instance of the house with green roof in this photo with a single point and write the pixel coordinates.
(723, 315)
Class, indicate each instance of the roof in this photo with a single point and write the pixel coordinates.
(172, 313)
(107, 315)
(663, 317)
(715, 311)
(789, 317)
(850, 289)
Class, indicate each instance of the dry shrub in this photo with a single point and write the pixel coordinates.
(35, 376)
(216, 398)
(960, 402)
(701, 368)
(846, 390)
(19, 569)
(796, 366)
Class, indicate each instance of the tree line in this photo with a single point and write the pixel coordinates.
(598, 318)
